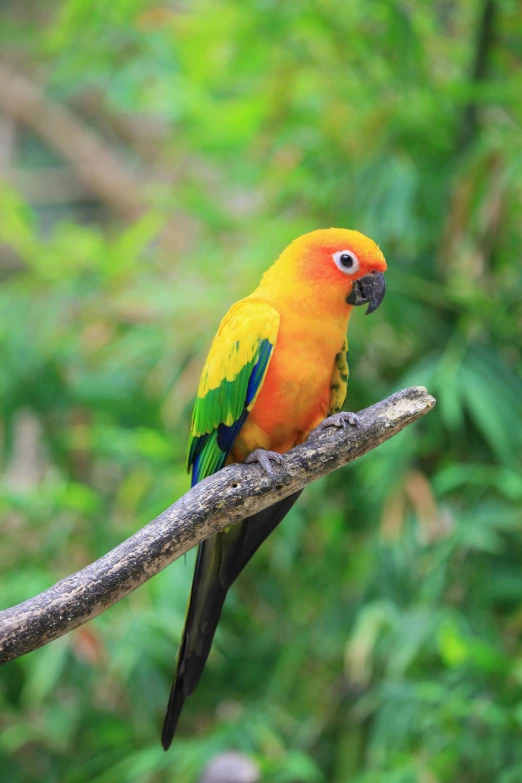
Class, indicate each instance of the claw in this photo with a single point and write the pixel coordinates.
(339, 420)
(263, 457)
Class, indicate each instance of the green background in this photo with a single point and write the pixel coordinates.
(377, 636)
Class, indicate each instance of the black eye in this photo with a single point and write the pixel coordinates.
(346, 260)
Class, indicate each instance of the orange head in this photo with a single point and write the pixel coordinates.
(330, 270)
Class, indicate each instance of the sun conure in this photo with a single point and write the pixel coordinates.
(278, 367)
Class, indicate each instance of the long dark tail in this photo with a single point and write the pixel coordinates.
(219, 562)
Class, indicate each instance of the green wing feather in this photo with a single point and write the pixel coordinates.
(339, 381)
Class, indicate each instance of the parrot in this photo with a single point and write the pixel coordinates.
(276, 372)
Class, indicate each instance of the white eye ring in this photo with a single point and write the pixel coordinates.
(346, 261)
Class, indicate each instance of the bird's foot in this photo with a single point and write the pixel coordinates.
(264, 458)
(338, 420)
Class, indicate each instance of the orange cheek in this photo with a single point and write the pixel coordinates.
(322, 270)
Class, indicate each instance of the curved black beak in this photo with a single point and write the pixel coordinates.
(370, 290)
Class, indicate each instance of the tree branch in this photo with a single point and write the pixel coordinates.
(224, 498)
(94, 163)
(98, 168)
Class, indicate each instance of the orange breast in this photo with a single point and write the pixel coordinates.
(295, 395)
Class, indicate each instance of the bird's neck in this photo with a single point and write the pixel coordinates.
(305, 299)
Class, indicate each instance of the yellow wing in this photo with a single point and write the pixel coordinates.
(231, 380)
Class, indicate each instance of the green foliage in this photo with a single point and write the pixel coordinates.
(376, 637)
